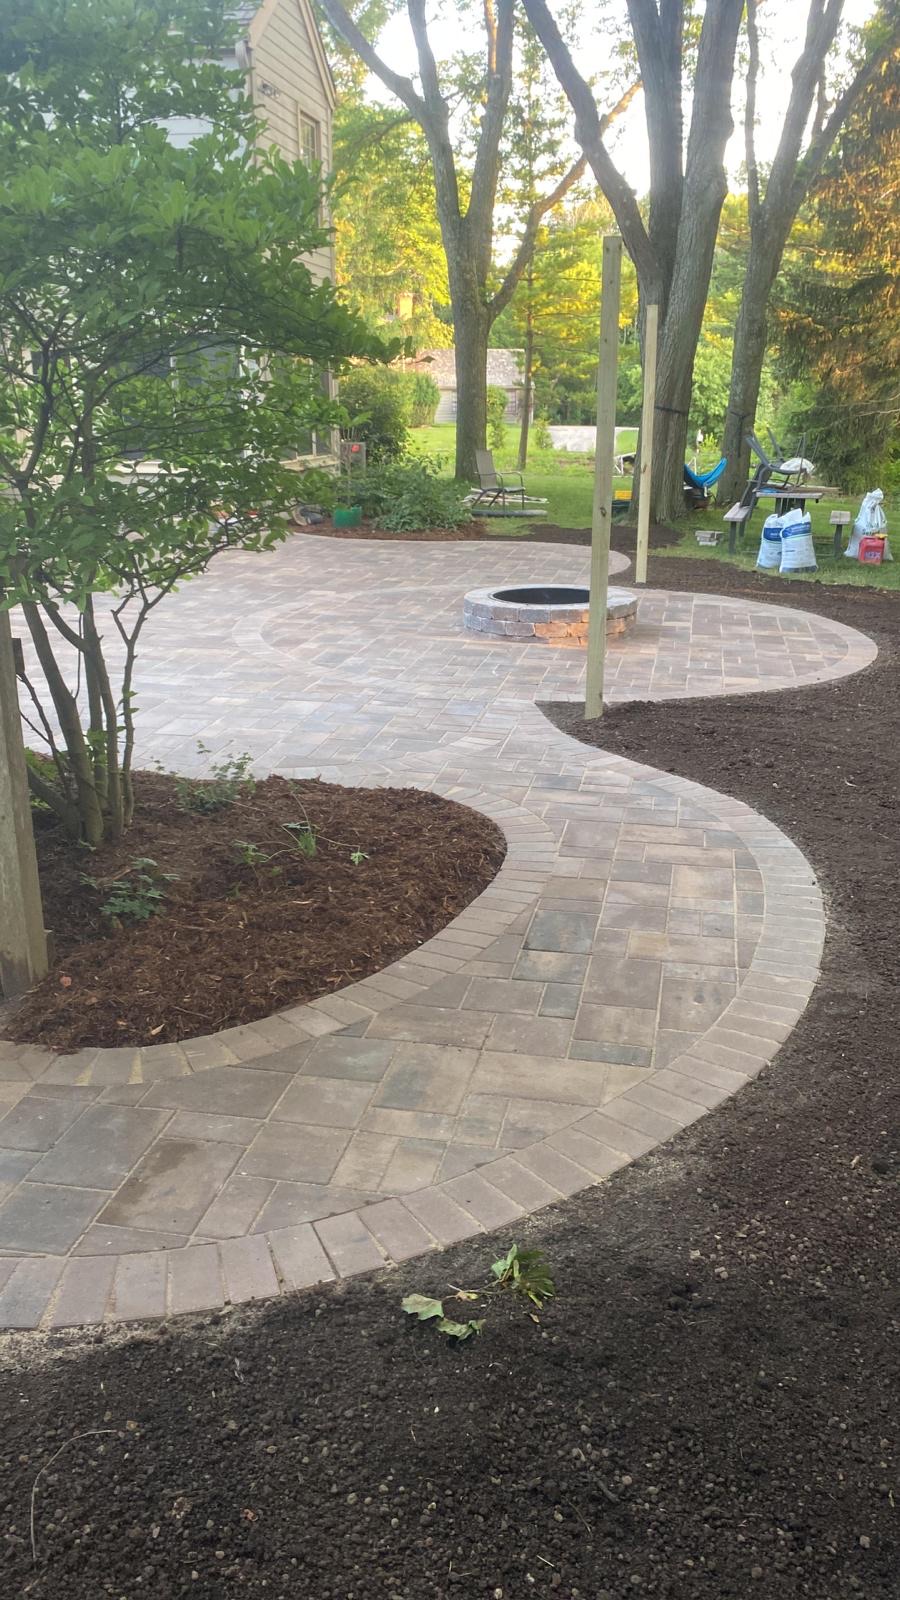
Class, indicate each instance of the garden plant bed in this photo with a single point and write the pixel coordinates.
(623, 537)
(367, 530)
(235, 940)
(707, 1409)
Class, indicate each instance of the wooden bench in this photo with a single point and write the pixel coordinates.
(736, 518)
(839, 521)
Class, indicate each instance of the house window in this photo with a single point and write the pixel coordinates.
(310, 141)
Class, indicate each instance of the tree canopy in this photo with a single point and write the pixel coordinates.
(154, 303)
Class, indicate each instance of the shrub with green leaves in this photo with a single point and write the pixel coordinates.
(425, 397)
(410, 495)
(136, 895)
(376, 406)
(228, 779)
(156, 302)
(496, 416)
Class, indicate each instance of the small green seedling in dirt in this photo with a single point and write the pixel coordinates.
(358, 857)
(525, 1272)
(229, 779)
(136, 895)
(303, 837)
(251, 855)
(426, 1310)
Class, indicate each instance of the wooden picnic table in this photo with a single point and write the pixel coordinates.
(791, 496)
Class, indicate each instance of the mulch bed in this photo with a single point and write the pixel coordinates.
(708, 1408)
(235, 940)
(623, 534)
(367, 530)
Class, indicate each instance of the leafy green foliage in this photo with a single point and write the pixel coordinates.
(250, 854)
(375, 402)
(427, 1310)
(303, 838)
(838, 302)
(526, 1273)
(496, 413)
(135, 895)
(424, 399)
(229, 779)
(390, 259)
(156, 305)
(541, 435)
(422, 1307)
(410, 494)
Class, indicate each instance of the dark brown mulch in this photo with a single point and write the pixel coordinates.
(708, 1409)
(367, 530)
(235, 941)
(623, 535)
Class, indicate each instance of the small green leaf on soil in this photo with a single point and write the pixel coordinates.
(460, 1330)
(419, 1305)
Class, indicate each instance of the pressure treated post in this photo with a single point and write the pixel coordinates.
(648, 414)
(23, 943)
(604, 453)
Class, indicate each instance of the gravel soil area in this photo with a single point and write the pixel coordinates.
(707, 1410)
(291, 890)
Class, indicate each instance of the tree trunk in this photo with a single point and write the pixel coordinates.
(69, 716)
(747, 360)
(471, 328)
(522, 461)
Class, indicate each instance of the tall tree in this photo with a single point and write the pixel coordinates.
(560, 302)
(837, 303)
(465, 194)
(153, 301)
(536, 157)
(810, 127)
(391, 265)
(673, 250)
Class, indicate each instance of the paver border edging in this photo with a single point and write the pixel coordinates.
(527, 863)
(746, 1037)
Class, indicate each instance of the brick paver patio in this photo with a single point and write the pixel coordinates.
(644, 950)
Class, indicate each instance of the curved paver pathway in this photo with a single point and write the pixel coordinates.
(644, 950)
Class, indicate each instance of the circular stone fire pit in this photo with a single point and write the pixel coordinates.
(555, 613)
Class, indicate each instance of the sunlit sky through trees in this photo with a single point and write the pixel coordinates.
(781, 23)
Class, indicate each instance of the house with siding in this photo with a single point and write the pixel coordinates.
(505, 370)
(280, 52)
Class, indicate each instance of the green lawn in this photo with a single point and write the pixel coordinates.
(566, 480)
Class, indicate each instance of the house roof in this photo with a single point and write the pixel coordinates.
(504, 367)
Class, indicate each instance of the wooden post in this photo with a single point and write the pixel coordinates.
(648, 415)
(604, 454)
(23, 942)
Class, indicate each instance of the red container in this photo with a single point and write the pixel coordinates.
(871, 549)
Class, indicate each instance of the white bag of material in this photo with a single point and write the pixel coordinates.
(870, 519)
(770, 544)
(797, 553)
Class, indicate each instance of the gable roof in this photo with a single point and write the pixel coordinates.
(260, 20)
(504, 367)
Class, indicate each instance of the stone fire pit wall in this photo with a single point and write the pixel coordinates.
(552, 613)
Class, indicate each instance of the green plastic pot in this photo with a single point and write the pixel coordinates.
(348, 516)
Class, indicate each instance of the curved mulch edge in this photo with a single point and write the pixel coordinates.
(744, 1039)
(117, 1065)
(705, 1408)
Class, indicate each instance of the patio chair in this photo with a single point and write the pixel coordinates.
(497, 495)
